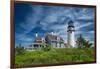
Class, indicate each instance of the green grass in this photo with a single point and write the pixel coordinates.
(55, 56)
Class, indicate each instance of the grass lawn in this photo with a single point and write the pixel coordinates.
(55, 56)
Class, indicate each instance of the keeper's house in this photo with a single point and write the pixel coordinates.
(50, 40)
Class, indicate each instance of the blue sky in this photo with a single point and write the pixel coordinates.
(43, 19)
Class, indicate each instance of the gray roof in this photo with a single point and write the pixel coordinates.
(53, 37)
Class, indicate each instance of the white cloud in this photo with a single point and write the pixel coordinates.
(85, 17)
(91, 32)
(83, 25)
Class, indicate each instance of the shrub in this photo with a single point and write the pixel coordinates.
(46, 47)
(19, 50)
(55, 56)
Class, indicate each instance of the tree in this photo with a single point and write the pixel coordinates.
(46, 47)
(82, 42)
(87, 44)
(19, 50)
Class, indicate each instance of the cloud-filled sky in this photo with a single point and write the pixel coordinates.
(43, 19)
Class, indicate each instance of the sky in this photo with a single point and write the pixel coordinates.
(43, 19)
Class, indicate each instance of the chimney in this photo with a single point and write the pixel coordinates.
(36, 34)
(52, 33)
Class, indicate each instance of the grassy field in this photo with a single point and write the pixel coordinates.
(55, 56)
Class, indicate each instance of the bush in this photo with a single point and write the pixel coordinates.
(55, 56)
(46, 47)
(19, 50)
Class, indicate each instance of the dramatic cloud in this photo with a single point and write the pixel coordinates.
(47, 19)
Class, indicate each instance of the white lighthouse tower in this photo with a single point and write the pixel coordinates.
(71, 35)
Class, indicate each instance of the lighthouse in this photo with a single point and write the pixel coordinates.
(71, 35)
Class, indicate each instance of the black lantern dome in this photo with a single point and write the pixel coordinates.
(71, 24)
